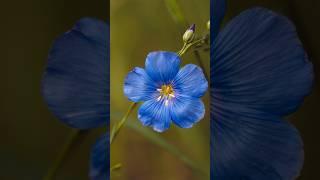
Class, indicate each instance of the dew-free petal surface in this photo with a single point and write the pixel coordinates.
(259, 62)
(162, 66)
(155, 114)
(138, 86)
(250, 144)
(186, 111)
(190, 81)
(76, 81)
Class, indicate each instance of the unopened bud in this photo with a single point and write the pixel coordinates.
(188, 36)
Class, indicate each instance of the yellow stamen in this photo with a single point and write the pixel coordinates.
(166, 92)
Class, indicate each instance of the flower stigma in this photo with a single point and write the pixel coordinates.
(166, 93)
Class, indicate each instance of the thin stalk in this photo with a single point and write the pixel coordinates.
(62, 155)
(116, 128)
(186, 46)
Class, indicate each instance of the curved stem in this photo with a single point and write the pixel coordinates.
(117, 127)
(186, 47)
(61, 156)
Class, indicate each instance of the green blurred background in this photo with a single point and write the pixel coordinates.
(31, 136)
(137, 28)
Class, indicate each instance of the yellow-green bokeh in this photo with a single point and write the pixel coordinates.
(137, 28)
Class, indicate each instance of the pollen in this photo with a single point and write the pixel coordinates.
(166, 93)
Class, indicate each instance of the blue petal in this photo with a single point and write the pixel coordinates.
(186, 111)
(217, 8)
(162, 66)
(138, 86)
(250, 144)
(155, 114)
(94, 29)
(190, 81)
(259, 62)
(100, 156)
(76, 81)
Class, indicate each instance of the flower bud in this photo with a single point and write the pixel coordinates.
(208, 25)
(188, 36)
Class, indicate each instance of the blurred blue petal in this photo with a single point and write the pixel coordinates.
(100, 156)
(259, 62)
(251, 144)
(217, 10)
(162, 66)
(186, 111)
(155, 114)
(259, 73)
(138, 86)
(190, 81)
(76, 81)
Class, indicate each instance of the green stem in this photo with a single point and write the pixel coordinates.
(198, 58)
(116, 129)
(186, 47)
(182, 49)
(62, 155)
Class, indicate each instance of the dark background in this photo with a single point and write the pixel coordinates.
(31, 137)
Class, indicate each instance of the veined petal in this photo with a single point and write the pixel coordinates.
(190, 81)
(250, 144)
(217, 8)
(138, 86)
(259, 62)
(76, 81)
(156, 114)
(162, 66)
(100, 156)
(186, 111)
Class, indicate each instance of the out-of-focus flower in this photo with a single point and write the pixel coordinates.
(76, 84)
(169, 94)
(259, 73)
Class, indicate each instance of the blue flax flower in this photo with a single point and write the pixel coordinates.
(169, 94)
(76, 84)
(259, 74)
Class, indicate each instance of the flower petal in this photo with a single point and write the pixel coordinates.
(138, 86)
(217, 8)
(190, 81)
(186, 111)
(259, 62)
(162, 66)
(250, 144)
(100, 156)
(76, 81)
(155, 114)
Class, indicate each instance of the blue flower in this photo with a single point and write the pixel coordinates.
(169, 94)
(259, 74)
(76, 84)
